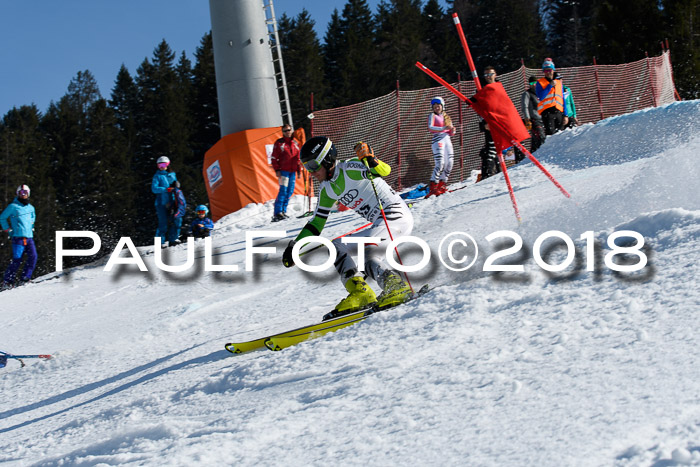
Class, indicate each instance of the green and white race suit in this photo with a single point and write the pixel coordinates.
(351, 185)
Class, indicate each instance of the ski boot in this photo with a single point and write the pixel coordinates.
(441, 188)
(432, 190)
(395, 290)
(361, 296)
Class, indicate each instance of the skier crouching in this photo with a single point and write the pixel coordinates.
(357, 184)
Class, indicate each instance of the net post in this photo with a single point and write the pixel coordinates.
(597, 84)
(398, 133)
(651, 80)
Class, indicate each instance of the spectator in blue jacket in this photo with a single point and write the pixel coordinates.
(162, 180)
(18, 220)
(177, 213)
(202, 225)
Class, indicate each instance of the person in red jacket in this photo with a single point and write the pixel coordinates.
(285, 161)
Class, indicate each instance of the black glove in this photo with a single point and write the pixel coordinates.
(287, 255)
(370, 161)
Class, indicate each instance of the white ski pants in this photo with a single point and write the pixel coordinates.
(444, 157)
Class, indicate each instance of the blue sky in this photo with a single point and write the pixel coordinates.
(46, 42)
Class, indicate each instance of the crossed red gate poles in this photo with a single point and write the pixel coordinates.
(506, 130)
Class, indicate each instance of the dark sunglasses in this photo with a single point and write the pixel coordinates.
(489, 74)
(286, 130)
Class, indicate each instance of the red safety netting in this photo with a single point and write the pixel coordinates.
(396, 125)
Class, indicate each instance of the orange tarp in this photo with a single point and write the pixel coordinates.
(237, 171)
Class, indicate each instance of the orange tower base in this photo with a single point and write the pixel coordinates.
(237, 171)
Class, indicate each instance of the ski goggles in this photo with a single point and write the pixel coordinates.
(202, 212)
(163, 165)
(312, 165)
(23, 193)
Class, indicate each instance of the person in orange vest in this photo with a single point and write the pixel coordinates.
(550, 92)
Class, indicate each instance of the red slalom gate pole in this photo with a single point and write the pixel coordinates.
(541, 167)
(451, 88)
(510, 188)
(465, 47)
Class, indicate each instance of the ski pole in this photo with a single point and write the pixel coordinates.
(4, 356)
(9, 355)
(47, 357)
(386, 223)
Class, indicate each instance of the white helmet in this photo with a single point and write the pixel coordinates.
(437, 100)
(23, 188)
(162, 159)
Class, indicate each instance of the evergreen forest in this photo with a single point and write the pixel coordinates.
(89, 159)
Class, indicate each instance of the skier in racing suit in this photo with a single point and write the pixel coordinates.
(353, 183)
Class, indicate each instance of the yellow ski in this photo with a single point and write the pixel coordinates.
(287, 339)
(242, 347)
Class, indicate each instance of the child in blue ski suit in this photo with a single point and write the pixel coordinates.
(202, 225)
(176, 208)
(18, 219)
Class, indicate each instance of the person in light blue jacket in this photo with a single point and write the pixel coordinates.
(161, 187)
(18, 220)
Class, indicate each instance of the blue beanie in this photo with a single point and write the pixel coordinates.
(548, 63)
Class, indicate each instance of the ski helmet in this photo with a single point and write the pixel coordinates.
(202, 207)
(163, 160)
(23, 190)
(437, 100)
(318, 151)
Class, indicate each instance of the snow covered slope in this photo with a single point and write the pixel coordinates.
(532, 368)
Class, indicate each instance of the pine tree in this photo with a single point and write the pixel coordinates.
(66, 125)
(334, 50)
(683, 19)
(399, 39)
(622, 41)
(360, 67)
(163, 129)
(26, 159)
(303, 64)
(205, 107)
(351, 57)
(107, 196)
(569, 32)
(124, 103)
(502, 32)
(442, 52)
